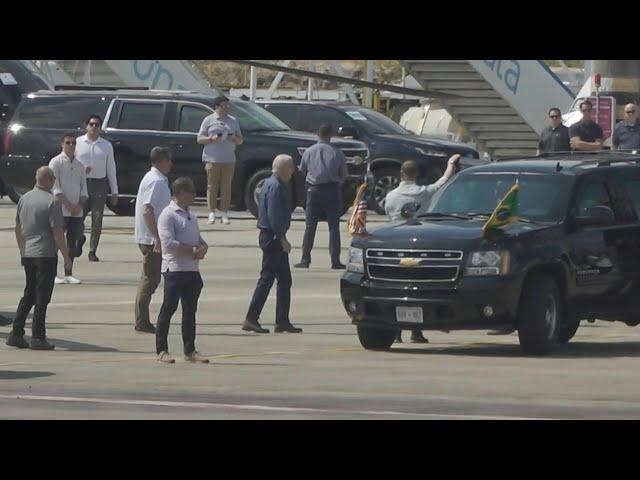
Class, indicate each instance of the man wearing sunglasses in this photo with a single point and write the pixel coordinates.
(554, 138)
(626, 135)
(71, 189)
(586, 135)
(96, 154)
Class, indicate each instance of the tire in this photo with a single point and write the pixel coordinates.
(568, 329)
(376, 338)
(126, 206)
(539, 315)
(15, 193)
(384, 180)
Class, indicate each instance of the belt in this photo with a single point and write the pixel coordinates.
(328, 184)
(97, 179)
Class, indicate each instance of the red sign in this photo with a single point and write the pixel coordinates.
(603, 114)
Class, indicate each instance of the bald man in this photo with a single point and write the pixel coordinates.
(39, 235)
(274, 219)
(626, 135)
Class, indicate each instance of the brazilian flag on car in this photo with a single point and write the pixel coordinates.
(505, 213)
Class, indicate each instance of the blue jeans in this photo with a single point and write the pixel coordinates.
(322, 200)
(184, 287)
(275, 265)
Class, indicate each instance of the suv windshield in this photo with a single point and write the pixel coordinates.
(375, 123)
(541, 197)
(253, 118)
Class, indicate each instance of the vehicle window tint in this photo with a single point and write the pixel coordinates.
(315, 116)
(632, 187)
(191, 118)
(63, 112)
(141, 116)
(593, 195)
(289, 114)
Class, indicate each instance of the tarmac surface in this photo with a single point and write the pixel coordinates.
(102, 369)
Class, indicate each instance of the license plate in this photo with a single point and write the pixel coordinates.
(409, 314)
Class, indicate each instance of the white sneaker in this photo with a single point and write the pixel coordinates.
(72, 280)
(164, 357)
(195, 357)
(225, 219)
(60, 280)
(212, 218)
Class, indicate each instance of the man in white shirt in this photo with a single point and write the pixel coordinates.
(410, 192)
(96, 154)
(71, 189)
(153, 196)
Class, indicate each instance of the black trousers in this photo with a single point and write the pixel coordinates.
(322, 200)
(40, 274)
(184, 287)
(275, 265)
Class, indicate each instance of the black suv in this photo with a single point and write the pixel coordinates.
(573, 255)
(389, 144)
(135, 121)
(17, 77)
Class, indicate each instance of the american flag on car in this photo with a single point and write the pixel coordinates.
(358, 219)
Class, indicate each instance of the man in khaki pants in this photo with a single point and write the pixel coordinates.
(219, 133)
(153, 196)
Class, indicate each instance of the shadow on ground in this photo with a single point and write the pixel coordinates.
(73, 346)
(575, 349)
(15, 375)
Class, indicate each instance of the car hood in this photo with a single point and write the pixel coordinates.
(306, 138)
(417, 141)
(443, 234)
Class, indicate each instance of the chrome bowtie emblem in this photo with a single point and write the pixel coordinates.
(410, 262)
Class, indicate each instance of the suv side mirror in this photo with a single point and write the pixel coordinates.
(599, 215)
(347, 131)
(409, 210)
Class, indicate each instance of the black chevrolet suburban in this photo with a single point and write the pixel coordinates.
(389, 144)
(573, 255)
(135, 121)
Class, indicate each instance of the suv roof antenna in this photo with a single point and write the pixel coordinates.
(558, 167)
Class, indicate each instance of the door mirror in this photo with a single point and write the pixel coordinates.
(599, 215)
(409, 210)
(347, 131)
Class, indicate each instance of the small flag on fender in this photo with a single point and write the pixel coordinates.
(358, 219)
(505, 213)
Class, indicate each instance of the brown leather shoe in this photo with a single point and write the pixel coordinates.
(249, 326)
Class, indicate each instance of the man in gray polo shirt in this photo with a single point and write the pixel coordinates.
(39, 235)
(219, 133)
(626, 135)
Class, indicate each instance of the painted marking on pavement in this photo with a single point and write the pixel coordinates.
(267, 408)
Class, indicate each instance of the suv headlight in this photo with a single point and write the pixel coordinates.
(430, 152)
(355, 263)
(489, 262)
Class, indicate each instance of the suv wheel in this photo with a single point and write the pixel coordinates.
(540, 315)
(384, 180)
(15, 193)
(126, 206)
(376, 338)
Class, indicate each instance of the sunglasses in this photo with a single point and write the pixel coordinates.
(94, 124)
(554, 116)
(629, 112)
(69, 143)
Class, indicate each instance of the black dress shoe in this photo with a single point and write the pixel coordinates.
(17, 341)
(41, 344)
(149, 328)
(249, 326)
(301, 265)
(93, 257)
(287, 328)
(338, 266)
